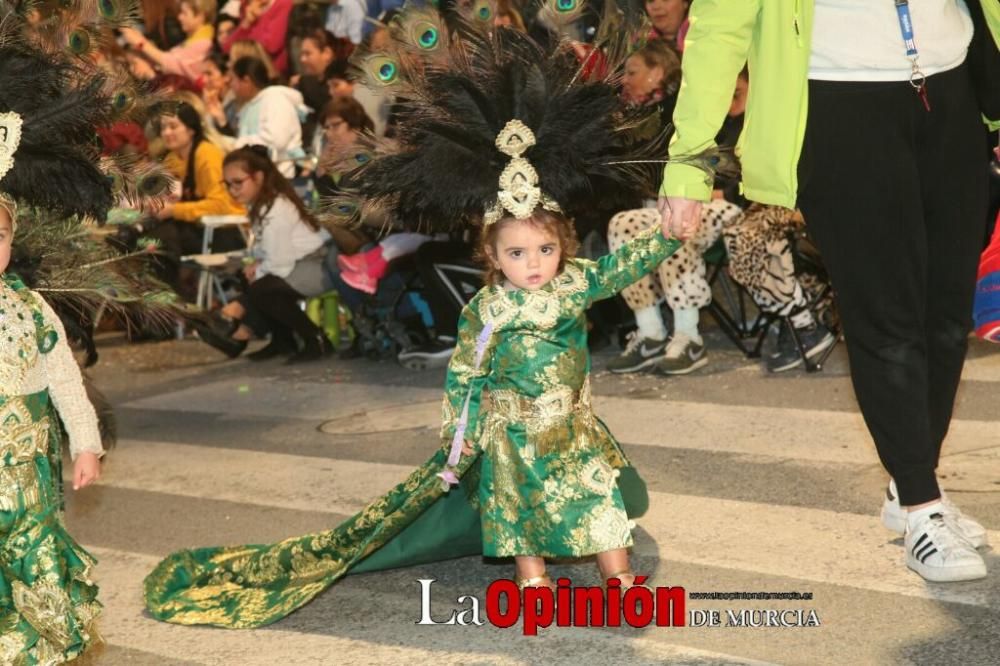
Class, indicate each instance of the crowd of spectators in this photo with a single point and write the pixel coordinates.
(263, 98)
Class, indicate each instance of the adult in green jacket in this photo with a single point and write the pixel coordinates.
(880, 142)
(775, 37)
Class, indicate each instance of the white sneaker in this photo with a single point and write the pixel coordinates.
(894, 518)
(937, 553)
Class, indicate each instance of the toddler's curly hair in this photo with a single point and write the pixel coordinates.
(557, 225)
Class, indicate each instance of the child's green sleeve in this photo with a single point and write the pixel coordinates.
(464, 378)
(636, 258)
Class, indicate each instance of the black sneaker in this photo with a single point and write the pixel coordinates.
(639, 353)
(281, 344)
(815, 340)
(681, 356)
(434, 354)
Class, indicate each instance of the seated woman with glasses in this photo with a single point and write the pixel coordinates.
(343, 120)
(285, 265)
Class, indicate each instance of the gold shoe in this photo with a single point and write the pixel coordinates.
(534, 581)
(625, 572)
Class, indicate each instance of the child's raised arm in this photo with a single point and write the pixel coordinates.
(641, 255)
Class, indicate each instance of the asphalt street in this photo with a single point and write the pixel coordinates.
(758, 483)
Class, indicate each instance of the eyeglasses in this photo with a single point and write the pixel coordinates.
(234, 184)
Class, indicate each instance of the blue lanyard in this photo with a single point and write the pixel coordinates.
(906, 27)
(917, 78)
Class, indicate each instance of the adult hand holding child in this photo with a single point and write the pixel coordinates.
(680, 217)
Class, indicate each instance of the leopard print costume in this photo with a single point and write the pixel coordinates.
(681, 278)
(760, 259)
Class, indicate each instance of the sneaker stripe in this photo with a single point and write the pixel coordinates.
(923, 538)
(927, 546)
(923, 559)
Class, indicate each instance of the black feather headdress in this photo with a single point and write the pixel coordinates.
(466, 90)
(53, 97)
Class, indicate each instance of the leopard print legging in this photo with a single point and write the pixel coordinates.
(759, 258)
(681, 278)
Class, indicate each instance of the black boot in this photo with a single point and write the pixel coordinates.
(208, 334)
(282, 344)
(314, 348)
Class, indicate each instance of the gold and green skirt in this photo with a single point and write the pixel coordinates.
(549, 475)
(48, 604)
(414, 523)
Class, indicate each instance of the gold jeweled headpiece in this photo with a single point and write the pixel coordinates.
(10, 139)
(519, 193)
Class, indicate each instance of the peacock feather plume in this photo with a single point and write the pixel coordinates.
(49, 78)
(458, 82)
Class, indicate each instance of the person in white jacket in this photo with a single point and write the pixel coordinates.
(271, 115)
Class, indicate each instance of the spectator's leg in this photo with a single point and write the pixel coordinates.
(686, 289)
(278, 302)
(643, 295)
(776, 289)
(683, 274)
(398, 245)
(955, 200)
(646, 345)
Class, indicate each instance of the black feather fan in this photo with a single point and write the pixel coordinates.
(62, 97)
(444, 167)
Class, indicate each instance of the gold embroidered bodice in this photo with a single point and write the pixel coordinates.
(26, 370)
(536, 347)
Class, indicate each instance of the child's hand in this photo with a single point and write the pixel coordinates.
(86, 470)
(467, 449)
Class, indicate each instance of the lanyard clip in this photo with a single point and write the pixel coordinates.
(917, 77)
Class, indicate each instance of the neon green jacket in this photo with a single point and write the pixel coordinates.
(775, 36)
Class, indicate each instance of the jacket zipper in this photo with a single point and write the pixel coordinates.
(795, 23)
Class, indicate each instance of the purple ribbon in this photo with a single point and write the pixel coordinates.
(448, 475)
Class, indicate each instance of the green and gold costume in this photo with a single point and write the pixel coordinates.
(542, 480)
(48, 605)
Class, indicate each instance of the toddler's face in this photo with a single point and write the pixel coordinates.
(6, 236)
(527, 253)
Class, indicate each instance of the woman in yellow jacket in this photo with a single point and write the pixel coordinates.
(866, 114)
(197, 165)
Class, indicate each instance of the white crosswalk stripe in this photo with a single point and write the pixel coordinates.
(352, 408)
(804, 540)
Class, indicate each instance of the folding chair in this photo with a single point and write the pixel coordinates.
(209, 263)
(734, 310)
